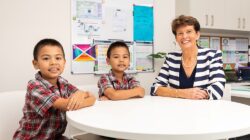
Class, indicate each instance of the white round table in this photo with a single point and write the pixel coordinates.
(161, 118)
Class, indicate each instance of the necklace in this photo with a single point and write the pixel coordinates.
(190, 65)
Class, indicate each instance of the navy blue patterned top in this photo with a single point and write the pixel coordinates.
(186, 82)
(209, 73)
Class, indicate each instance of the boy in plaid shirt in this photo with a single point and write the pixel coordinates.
(117, 85)
(49, 95)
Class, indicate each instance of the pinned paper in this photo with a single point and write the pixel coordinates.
(228, 67)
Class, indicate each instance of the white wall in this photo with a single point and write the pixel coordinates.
(25, 22)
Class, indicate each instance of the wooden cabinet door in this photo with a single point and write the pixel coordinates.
(208, 12)
(216, 14)
(245, 12)
(237, 15)
(232, 15)
(200, 10)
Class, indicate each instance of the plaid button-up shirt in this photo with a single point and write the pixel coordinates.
(109, 81)
(42, 121)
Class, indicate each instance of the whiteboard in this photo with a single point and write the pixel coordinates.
(97, 23)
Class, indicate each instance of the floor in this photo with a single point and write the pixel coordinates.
(246, 137)
(97, 137)
(90, 136)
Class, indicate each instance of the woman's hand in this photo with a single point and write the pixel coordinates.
(195, 93)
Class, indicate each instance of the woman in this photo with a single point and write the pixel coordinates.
(193, 73)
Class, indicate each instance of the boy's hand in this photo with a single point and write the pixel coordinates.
(103, 98)
(76, 99)
(140, 91)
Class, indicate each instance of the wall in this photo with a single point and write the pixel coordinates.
(24, 23)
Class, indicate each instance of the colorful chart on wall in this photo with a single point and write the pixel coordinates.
(143, 23)
(95, 24)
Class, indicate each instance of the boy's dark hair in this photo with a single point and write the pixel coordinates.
(116, 45)
(45, 42)
(183, 20)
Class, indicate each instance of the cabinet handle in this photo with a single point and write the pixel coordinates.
(244, 23)
(212, 20)
(206, 20)
(238, 23)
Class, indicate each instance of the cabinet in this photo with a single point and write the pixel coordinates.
(238, 15)
(217, 14)
(208, 14)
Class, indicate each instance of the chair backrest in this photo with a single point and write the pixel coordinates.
(227, 92)
(11, 106)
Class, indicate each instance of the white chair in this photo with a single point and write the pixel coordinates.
(227, 93)
(11, 106)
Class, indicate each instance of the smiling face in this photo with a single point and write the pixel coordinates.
(186, 36)
(50, 61)
(119, 59)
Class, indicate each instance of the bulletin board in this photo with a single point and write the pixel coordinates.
(95, 24)
(235, 50)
